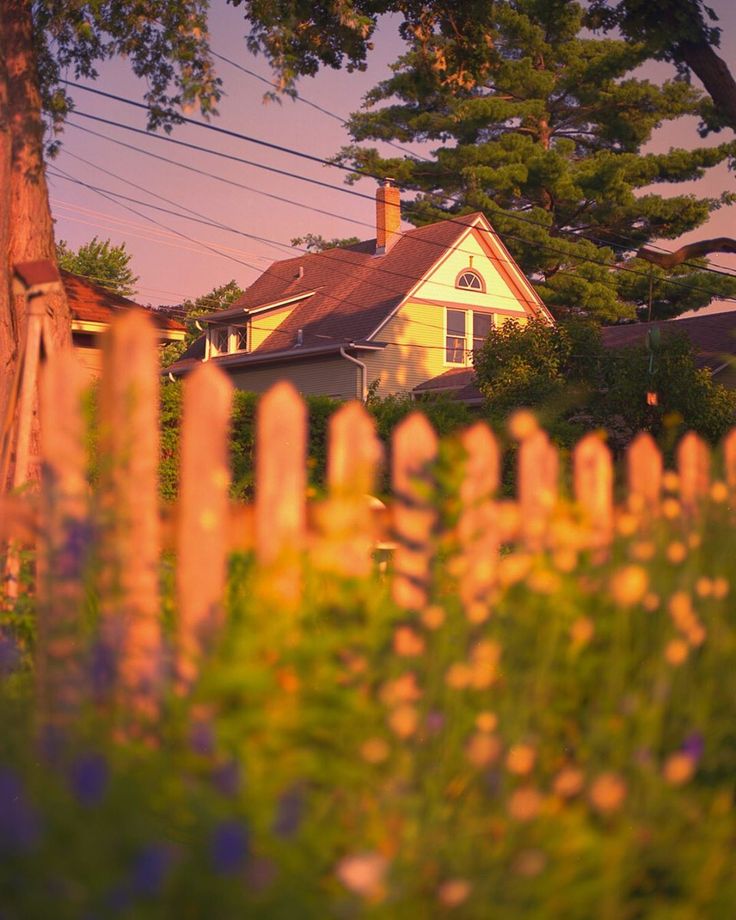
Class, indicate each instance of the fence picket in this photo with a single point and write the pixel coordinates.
(414, 448)
(693, 467)
(65, 539)
(593, 486)
(129, 454)
(538, 485)
(281, 487)
(354, 453)
(644, 471)
(202, 523)
(478, 531)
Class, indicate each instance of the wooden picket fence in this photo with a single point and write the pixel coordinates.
(123, 519)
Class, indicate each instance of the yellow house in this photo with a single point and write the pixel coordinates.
(405, 309)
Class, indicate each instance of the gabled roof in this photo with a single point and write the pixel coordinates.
(713, 335)
(92, 303)
(355, 290)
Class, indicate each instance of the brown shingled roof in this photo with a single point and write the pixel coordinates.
(355, 290)
(92, 303)
(458, 382)
(713, 335)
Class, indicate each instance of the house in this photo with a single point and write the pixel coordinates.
(712, 335)
(405, 309)
(93, 306)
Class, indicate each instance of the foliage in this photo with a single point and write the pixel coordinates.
(102, 262)
(564, 747)
(533, 115)
(315, 242)
(219, 298)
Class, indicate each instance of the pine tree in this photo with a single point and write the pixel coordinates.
(541, 126)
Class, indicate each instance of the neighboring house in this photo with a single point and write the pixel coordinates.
(93, 306)
(403, 309)
(712, 335)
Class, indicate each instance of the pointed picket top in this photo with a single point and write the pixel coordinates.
(478, 531)
(281, 480)
(693, 467)
(131, 538)
(414, 447)
(354, 451)
(538, 484)
(644, 472)
(202, 526)
(729, 459)
(593, 485)
(66, 539)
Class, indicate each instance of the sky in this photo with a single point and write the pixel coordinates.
(174, 257)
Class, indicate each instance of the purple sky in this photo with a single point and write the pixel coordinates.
(172, 268)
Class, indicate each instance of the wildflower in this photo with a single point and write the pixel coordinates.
(454, 892)
(88, 779)
(486, 721)
(694, 745)
(721, 588)
(608, 792)
(363, 873)
(477, 612)
(226, 778)
(404, 720)
(403, 689)
(524, 803)
(375, 750)
(703, 587)
(679, 768)
(433, 617)
(719, 492)
(568, 783)
(288, 680)
(9, 655)
(19, 825)
(522, 424)
(435, 722)
(202, 738)
(676, 652)
(408, 643)
(520, 759)
(544, 582)
(671, 508)
(289, 811)
(565, 560)
(150, 869)
(513, 568)
(229, 846)
(676, 552)
(458, 675)
(643, 551)
(582, 631)
(651, 601)
(483, 749)
(629, 585)
(530, 863)
(485, 657)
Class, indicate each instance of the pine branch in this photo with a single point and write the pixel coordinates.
(689, 251)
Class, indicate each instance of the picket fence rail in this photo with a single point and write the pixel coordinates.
(123, 518)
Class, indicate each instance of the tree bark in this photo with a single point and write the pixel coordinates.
(30, 232)
(690, 251)
(714, 75)
(7, 321)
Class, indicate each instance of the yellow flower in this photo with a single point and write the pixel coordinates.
(408, 643)
(608, 792)
(524, 803)
(670, 481)
(375, 750)
(402, 689)
(643, 551)
(363, 873)
(403, 721)
(671, 508)
(458, 675)
(582, 631)
(454, 892)
(703, 587)
(676, 552)
(719, 492)
(486, 721)
(565, 560)
(544, 582)
(679, 768)
(721, 588)
(627, 524)
(676, 652)
(522, 424)
(520, 759)
(483, 749)
(513, 568)
(477, 612)
(629, 585)
(433, 617)
(568, 783)
(651, 601)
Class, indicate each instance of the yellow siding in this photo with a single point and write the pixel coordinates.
(263, 324)
(317, 377)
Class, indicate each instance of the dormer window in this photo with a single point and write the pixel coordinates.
(470, 280)
(225, 340)
(219, 336)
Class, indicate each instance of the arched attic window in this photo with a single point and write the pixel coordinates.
(470, 280)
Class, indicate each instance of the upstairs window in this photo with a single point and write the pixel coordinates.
(470, 280)
(482, 325)
(219, 336)
(238, 338)
(455, 337)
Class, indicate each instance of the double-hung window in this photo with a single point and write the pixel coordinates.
(455, 336)
(482, 325)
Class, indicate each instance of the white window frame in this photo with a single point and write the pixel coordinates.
(455, 336)
(230, 336)
(480, 289)
(468, 335)
(233, 332)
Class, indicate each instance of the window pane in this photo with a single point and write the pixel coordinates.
(456, 322)
(470, 280)
(218, 340)
(455, 350)
(482, 325)
(239, 338)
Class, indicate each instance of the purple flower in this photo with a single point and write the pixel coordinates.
(229, 846)
(227, 778)
(694, 745)
(202, 738)
(9, 655)
(289, 811)
(52, 743)
(102, 669)
(435, 722)
(19, 824)
(73, 556)
(150, 869)
(88, 779)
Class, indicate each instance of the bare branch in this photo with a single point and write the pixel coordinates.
(690, 251)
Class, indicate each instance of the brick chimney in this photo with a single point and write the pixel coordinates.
(388, 216)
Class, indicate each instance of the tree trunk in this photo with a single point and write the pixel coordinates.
(7, 323)
(714, 75)
(25, 196)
